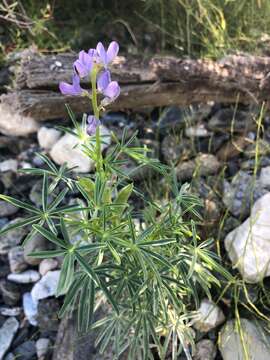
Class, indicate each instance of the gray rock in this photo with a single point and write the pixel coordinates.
(241, 192)
(46, 286)
(47, 265)
(47, 318)
(229, 120)
(12, 238)
(198, 131)
(68, 150)
(205, 350)
(7, 333)
(37, 243)
(26, 277)
(9, 165)
(260, 147)
(174, 149)
(26, 351)
(264, 178)
(248, 246)
(253, 343)
(7, 209)
(10, 356)
(10, 311)
(16, 260)
(209, 316)
(47, 137)
(202, 165)
(9, 292)
(30, 308)
(42, 347)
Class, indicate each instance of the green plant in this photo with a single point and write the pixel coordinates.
(150, 276)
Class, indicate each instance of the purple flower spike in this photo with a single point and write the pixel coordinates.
(84, 64)
(107, 56)
(112, 91)
(93, 123)
(74, 89)
(103, 80)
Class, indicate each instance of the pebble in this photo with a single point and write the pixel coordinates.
(47, 265)
(26, 277)
(16, 259)
(9, 292)
(7, 209)
(10, 311)
(205, 350)
(47, 137)
(264, 178)
(37, 243)
(198, 131)
(46, 286)
(30, 308)
(26, 351)
(42, 347)
(209, 316)
(7, 333)
(12, 238)
(9, 165)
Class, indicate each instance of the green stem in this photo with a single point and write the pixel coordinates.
(96, 113)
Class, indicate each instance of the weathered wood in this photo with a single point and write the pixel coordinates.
(158, 81)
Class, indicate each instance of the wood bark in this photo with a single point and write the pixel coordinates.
(158, 81)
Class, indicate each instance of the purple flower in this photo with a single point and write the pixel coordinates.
(110, 89)
(84, 64)
(93, 123)
(107, 56)
(74, 89)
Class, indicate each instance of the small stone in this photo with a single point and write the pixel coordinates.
(16, 260)
(10, 356)
(10, 311)
(209, 316)
(47, 265)
(205, 350)
(252, 343)
(248, 245)
(37, 243)
(47, 137)
(47, 315)
(46, 286)
(9, 165)
(264, 178)
(7, 209)
(198, 131)
(42, 347)
(26, 277)
(229, 120)
(7, 333)
(202, 165)
(26, 351)
(67, 150)
(175, 149)
(12, 238)
(30, 308)
(10, 293)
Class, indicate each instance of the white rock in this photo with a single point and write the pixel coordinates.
(209, 316)
(16, 259)
(5, 311)
(264, 178)
(248, 245)
(253, 343)
(14, 124)
(197, 131)
(47, 137)
(47, 265)
(68, 150)
(26, 277)
(30, 308)
(42, 346)
(7, 333)
(9, 165)
(46, 286)
(205, 350)
(7, 209)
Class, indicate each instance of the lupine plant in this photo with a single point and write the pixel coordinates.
(147, 267)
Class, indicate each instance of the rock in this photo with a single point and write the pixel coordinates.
(239, 194)
(252, 343)
(7, 209)
(26, 351)
(12, 238)
(46, 286)
(67, 150)
(37, 243)
(7, 333)
(47, 137)
(10, 311)
(264, 178)
(16, 260)
(42, 347)
(202, 165)
(9, 165)
(47, 265)
(175, 149)
(198, 131)
(260, 147)
(10, 293)
(205, 350)
(26, 277)
(229, 120)
(35, 194)
(47, 315)
(209, 316)
(10, 356)
(11, 123)
(30, 308)
(248, 246)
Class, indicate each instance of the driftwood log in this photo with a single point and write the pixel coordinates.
(158, 81)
